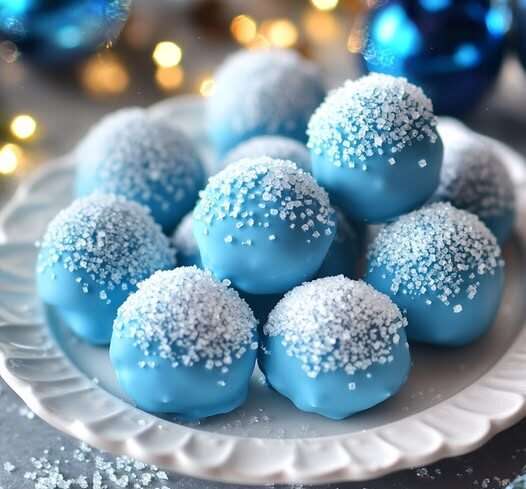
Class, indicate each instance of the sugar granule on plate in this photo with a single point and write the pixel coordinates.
(186, 316)
(336, 323)
(280, 190)
(111, 240)
(437, 249)
(371, 116)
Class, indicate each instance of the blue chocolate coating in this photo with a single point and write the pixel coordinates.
(329, 394)
(269, 249)
(375, 148)
(269, 92)
(143, 159)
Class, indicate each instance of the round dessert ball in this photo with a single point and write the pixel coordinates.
(375, 148)
(276, 147)
(444, 268)
(145, 160)
(91, 258)
(335, 347)
(185, 344)
(267, 92)
(263, 224)
(186, 245)
(475, 179)
(347, 249)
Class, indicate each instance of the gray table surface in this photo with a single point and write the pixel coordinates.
(66, 113)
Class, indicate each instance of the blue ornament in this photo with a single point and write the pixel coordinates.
(520, 30)
(453, 49)
(61, 30)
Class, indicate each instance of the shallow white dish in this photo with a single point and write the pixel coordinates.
(454, 401)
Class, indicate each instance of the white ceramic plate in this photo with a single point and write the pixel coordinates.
(454, 401)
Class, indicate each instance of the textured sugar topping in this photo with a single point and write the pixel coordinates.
(113, 242)
(183, 239)
(276, 189)
(373, 116)
(439, 251)
(336, 323)
(473, 177)
(142, 158)
(277, 147)
(185, 316)
(274, 88)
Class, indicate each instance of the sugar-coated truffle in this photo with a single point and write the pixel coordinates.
(347, 249)
(443, 267)
(375, 148)
(91, 258)
(335, 347)
(185, 344)
(263, 224)
(475, 179)
(144, 159)
(276, 147)
(185, 243)
(266, 92)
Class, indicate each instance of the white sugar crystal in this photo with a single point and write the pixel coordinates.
(228, 238)
(328, 325)
(9, 467)
(422, 163)
(457, 309)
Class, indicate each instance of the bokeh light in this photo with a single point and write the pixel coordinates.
(207, 87)
(244, 29)
(105, 75)
(167, 54)
(169, 79)
(23, 126)
(11, 157)
(321, 27)
(281, 33)
(325, 4)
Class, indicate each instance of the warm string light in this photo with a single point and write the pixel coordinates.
(207, 87)
(11, 157)
(325, 5)
(281, 33)
(105, 75)
(169, 79)
(244, 29)
(321, 27)
(23, 126)
(167, 54)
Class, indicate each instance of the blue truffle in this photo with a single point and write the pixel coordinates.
(335, 347)
(267, 92)
(276, 147)
(375, 148)
(347, 250)
(185, 344)
(443, 267)
(186, 245)
(91, 258)
(475, 179)
(263, 224)
(145, 160)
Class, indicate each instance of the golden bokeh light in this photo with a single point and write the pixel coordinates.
(105, 74)
(23, 126)
(169, 79)
(260, 42)
(325, 5)
(207, 87)
(244, 29)
(355, 41)
(321, 27)
(167, 54)
(11, 157)
(281, 33)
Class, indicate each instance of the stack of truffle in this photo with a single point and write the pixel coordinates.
(192, 282)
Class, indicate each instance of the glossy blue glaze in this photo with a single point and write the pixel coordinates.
(383, 191)
(453, 49)
(329, 394)
(190, 392)
(502, 225)
(59, 31)
(439, 324)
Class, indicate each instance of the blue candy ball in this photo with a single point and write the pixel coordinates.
(444, 268)
(276, 147)
(452, 49)
(335, 347)
(268, 92)
(59, 31)
(186, 245)
(375, 148)
(475, 179)
(91, 258)
(143, 159)
(263, 224)
(186, 344)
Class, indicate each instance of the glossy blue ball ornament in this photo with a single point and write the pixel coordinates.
(443, 267)
(453, 49)
(155, 354)
(335, 347)
(62, 30)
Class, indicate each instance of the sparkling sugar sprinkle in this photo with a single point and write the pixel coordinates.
(132, 154)
(279, 189)
(186, 317)
(439, 250)
(336, 323)
(108, 239)
(375, 115)
(473, 177)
